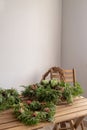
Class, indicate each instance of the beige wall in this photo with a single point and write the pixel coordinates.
(74, 38)
(30, 37)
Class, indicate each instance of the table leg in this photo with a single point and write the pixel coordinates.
(56, 126)
(82, 125)
(78, 122)
(72, 125)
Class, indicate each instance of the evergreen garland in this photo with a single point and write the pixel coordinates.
(8, 97)
(52, 91)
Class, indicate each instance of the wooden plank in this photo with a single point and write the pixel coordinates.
(63, 108)
(10, 125)
(34, 127)
(68, 71)
(76, 101)
(68, 80)
(20, 128)
(68, 75)
(6, 111)
(4, 121)
(9, 114)
(70, 116)
(70, 111)
(55, 73)
(55, 76)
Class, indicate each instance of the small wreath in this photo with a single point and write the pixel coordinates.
(33, 112)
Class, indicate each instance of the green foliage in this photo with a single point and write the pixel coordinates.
(53, 91)
(67, 94)
(41, 93)
(34, 106)
(45, 82)
(8, 97)
(47, 94)
(31, 114)
(54, 82)
(41, 100)
(77, 90)
(28, 91)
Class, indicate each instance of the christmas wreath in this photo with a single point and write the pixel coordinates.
(33, 112)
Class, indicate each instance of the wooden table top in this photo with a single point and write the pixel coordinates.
(63, 113)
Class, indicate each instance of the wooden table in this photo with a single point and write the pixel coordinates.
(77, 111)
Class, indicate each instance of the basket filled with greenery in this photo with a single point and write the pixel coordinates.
(52, 91)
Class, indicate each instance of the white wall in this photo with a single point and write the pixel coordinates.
(74, 38)
(30, 37)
